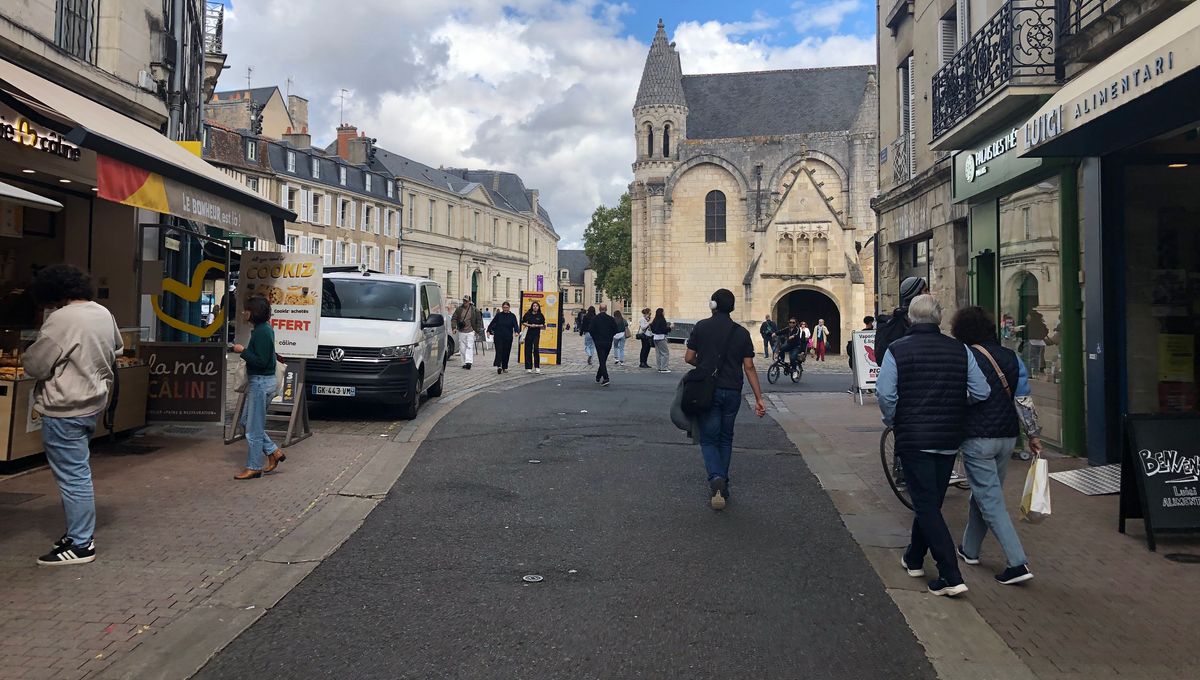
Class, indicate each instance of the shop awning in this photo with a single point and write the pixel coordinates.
(1143, 89)
(12, 194)
(138, 166)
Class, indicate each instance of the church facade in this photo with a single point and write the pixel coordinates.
(756, 182)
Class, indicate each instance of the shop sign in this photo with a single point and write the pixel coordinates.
(984, 168)
(866, 365)
(1160, 474)
(291, 282)
(187, 381)
(18, 130)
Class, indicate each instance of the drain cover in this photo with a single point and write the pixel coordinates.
(1183, 558)
(532, 578)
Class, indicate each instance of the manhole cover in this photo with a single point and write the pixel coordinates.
(11, 498)
(1183, 558)
(532, 578)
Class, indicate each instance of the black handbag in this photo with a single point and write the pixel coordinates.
(700, 384)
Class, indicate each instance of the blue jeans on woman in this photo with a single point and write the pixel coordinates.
(66, 442)
(259, 390)
(589, 347)
(716, 432)
(619, 348)
(986, 462)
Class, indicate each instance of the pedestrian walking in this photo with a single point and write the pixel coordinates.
(820, 338)
(767, 330)
(604, 329)
(925, 383)
(992, 429)
(503, 329)
(720, 344)
(579, 321)
(659, 328)
(805, 340)
(73, 360)
(467, 321)
(647, 338)
(259, 354)
(619, 338)
(533, 322)
(589, 343)
(891, 328)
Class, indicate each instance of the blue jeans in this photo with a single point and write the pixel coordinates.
(589, 347)
(716, 432)
(619, 348)
(66, 441)
(259, 390)
(986, 461)
(927, 475)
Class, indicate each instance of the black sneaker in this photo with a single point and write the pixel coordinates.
(1014, 575)
(597, 378)
(604, 383)
(68, 553)
(944, 588)
(963, 556)
(717, 488)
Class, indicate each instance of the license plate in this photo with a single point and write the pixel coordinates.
(332, 391)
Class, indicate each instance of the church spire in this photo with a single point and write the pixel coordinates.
(662, 79)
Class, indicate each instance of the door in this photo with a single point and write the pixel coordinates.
(475, 287)
(429, 341)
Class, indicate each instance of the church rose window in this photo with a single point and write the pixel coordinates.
(714, 217)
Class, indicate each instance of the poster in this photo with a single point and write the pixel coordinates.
(291, 282)
(548, 345)
(187, 381)
(1176, 358)
(866, 368)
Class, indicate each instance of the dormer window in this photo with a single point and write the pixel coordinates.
(342, 175)
(251, 149)
(391, 190)
(316, 168)
(367, 180)
(291, 161)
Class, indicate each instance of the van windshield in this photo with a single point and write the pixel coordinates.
(368, 299)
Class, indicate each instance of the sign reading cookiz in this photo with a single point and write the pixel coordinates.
(1160, 474)
(292, 283)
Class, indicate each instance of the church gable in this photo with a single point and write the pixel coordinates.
(806, 227)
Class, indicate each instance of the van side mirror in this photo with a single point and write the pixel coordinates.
(433, 321)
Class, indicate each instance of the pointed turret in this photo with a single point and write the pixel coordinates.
(662, 78)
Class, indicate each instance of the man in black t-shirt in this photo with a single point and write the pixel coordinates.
(719, 343)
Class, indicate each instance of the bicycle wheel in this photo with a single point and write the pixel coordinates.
(773, 373)
(892, 468)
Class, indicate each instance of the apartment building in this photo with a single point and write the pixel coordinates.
(577, 283)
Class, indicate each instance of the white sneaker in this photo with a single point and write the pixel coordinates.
(537, 370)
(529, 370)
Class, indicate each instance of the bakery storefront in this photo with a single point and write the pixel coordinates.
(1133, 120)
(76, 181)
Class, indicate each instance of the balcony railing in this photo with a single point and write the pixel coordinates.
(1015, 47)
(901, 163)
(1076, 15)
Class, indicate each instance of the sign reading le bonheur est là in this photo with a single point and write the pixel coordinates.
(291, 282)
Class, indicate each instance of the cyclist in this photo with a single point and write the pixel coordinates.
(790, 341)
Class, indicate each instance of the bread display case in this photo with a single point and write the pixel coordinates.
(20, 425)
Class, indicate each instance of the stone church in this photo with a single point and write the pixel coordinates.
(756, 182)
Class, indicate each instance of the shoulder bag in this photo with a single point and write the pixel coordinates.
(700, 384)
(996, 367)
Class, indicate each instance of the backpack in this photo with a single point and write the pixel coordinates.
(890, 330)
(700, 384)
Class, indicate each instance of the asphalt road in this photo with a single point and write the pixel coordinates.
(640, 578)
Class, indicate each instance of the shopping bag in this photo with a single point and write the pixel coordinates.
(1035, 500)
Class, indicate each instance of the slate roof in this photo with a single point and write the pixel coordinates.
(260, 95)
(661, 75)
(407, 168)
(774, 102)
(511, 194)
(330, 175)
(575, 262)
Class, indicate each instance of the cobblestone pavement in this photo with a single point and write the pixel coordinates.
(1100, 605)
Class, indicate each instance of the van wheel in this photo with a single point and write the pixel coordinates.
(408, 410)
(435, 390)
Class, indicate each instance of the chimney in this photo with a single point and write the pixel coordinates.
(298, 108)
(496, 182)
(299, 140)
(357, 149)
(346, 133)
(533, 201)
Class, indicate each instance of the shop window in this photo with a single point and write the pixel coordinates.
(714, 217)
(75, 28)
(291, 161)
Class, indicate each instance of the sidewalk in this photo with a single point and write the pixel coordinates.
(1101, 605)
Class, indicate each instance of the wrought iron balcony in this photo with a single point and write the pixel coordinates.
(901, 164)
(1015, 47)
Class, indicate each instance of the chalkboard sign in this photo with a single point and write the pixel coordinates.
(187, 381)
(1160, 473)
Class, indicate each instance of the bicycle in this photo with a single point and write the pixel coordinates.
(776, 369)
(893, 470)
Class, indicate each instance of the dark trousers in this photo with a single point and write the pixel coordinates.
(532, 358)
(647, 345)
(602, 359)
(928, 475)
(503, 350)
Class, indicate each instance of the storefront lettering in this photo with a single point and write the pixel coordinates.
(975, 164)
(1171, 463)
(289, 270)
(1043, 127)
(24, 133)
(210, 212)
(1127, 84)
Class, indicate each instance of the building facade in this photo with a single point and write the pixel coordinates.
(577, 283)
(756, 182)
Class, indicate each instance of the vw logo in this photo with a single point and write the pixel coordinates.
(337, 354)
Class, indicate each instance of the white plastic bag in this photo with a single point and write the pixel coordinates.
(1035, 500)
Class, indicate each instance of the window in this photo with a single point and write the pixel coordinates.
(564, 274)
(507, 287)
(343, 207)
(75, 28)
(449, 223)
(252, 184)
(508, 234)
(667, 140)
(367, 298)
(579, 296)
(315, 215)
(252, 149)
(368, 256)
(342, 175)
(367, 181)
(291, 161)
(495, 287)
(391, 189)
(1025, 221)
(292, 194)
(316, 168)
(431, 273)
(521, 237)
(389, 261)
(366, 217)
(599, 296)
(963, 16)
(649, 141)
(412, 271)
(291, 243)
(475, 228)
(449, 282)
(495, 232)
(412, 207)
(432, 207)
(714, 217)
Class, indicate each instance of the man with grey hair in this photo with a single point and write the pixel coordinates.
(603, 328)
(925, 382)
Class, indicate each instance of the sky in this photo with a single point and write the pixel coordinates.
(542, 88)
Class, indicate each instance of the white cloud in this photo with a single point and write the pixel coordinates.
(821, 15)
(542, 88)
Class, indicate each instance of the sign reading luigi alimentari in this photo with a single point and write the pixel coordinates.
(291, 282)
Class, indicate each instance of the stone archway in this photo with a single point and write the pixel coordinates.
(808, 305)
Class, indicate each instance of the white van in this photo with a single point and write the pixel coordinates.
(383, 339)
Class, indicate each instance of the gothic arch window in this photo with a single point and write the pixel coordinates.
(714, 217)
(649, 141)
(820, 254)
(667, 140)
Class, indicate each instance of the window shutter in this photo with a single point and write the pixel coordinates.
(304, 244)
(353, 210)
(376, 216)
(963, 10)
(947, 39)
(912, 128)
(283, 194)
(328, 254)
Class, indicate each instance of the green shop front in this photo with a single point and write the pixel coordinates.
(1023, 267)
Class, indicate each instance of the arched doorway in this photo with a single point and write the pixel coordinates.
(809, 306)
(475, 276)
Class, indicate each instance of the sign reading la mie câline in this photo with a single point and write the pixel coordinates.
(187, 381)
(1160, 476)
(291, 282)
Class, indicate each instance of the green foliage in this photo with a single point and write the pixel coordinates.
(608, 242)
